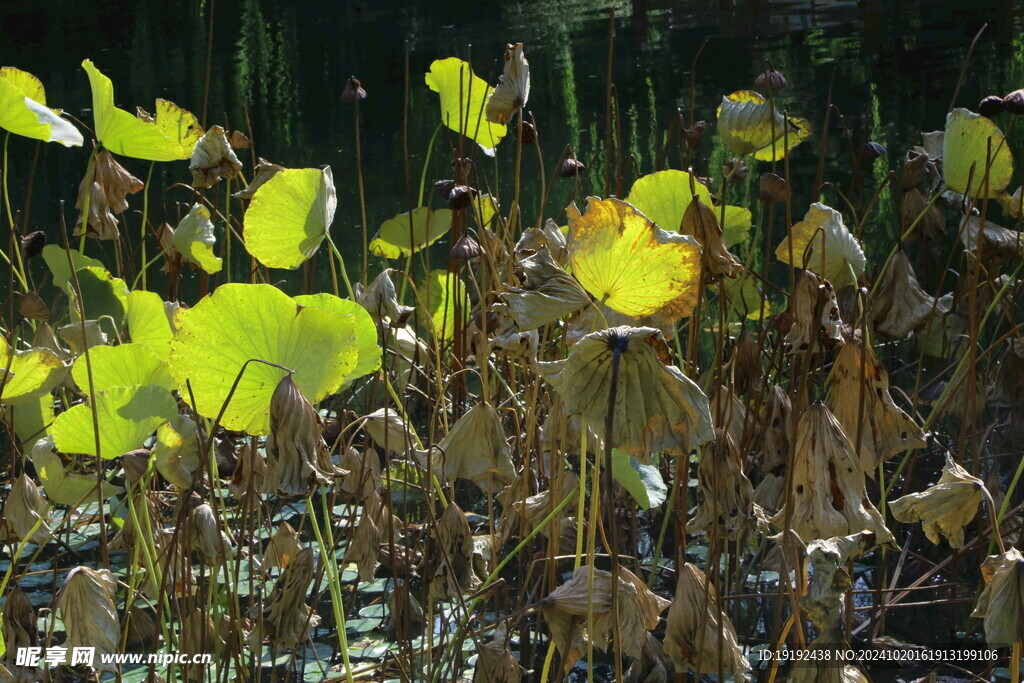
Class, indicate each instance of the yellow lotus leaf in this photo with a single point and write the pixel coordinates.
(23, 110)
(944, 508)
(664, 196)
(407, 233)
(823, 244)
(26, 376)
(170, 135)
(748, 125)
(464, 96)
(971, 142)
(634, 267)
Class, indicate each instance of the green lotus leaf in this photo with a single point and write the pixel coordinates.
(744, 297)
(102, 293)
(56, 259)
(23, 110)
(485, 208)
(442, 292)
(26, 376)
(243, 322)
(736, 226)
(31, 419)
(121, 366)
(663, 196)
(969, 141)
(427, 226)
(289, 216)
(747, 124)
(644, 482)
(148, 323)
(176, 453)
(127, 416)
(63, 487)
(464, 96)
(171, 135)
(194, 239)
(366, 331)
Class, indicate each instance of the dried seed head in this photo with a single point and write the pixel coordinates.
(571, 167)
(773, 188)
(735, 170)
(991, 105)
(213, 159)
(32, 244)
(33, 307)
(353, 91)
(1014, 102)
(872, 150)
(466, 248)
(770, 79)
(694, 135)
(529, 133)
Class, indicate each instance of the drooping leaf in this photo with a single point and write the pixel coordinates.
(32, 419)
(194, 239)
(63, 487)
(170, 135)
(748, 125)
(969, 143)
(102, 295)
(443, 293)
(513, 89)
(644, 482)
(146, 316)
(366, 332)
(744, 297)
(26, 376)
(243, 322)
(665, 195)
(464, 97)
(56, 259)
(630, 264)
(176, 453)
(127, 416)
(944, 508)
(823, 244)
(426, 226)
(289, 216)
(23, 110)
(121, 366)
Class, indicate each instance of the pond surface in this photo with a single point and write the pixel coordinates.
(277, 70)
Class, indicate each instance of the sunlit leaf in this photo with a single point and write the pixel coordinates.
(969, 143)
(102, 294)
(289, 216)
(513, 89)
(366, 332)
(31, 419)
(464, 96)
(170, 136)
(176, 453)
(664, 196)
(747, 125)
(56, 259)
(148, 323)
(744, 297)
(736, 226)
(194, 239)
(822, 244)
(442, 293)
(425, 226)
(630, 264)
(23, 110)
(644, 482)
(63, 487)
(121, 366)
(26, 376)
(127, 416)
(243, 322)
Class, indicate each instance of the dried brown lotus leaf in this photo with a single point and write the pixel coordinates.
(515, 344)
(106, 188)
(27, 512)
(33, 307)
(787, 553)
(657, 408)
(1001, 603)
(699, 636)
(213, 159)
(815, 316)
(364, 473)
(859, 398)
(652, 666)
(496, 663)
(411, 354)
(700, 220)
(566, 610)
(829, 580)
(390, 431)
(546, 293)
(899, 305)
(828, 494)
(19, 622)
(745, 367)
(250, 469)
(201, 534)
(776, 431)
(265, 170)
(513, 88)
(561, 432)
(88, 607)
(282, 548)
(142, 629)
(452, 556)
(724, 494)
(946, 507)
(362, 546)
(79, 339)
(548, 236)
(199, 636)
(403, 607)
(992, 244)
(179, 579)
(729, 413)
(474, 449)
(286, 618)
(45, 338)
(521, 515)
(929, 220)
(380, 300)
(297, 455)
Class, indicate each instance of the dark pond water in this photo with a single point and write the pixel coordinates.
(278, 69)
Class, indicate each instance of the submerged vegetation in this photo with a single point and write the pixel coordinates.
(654, 433)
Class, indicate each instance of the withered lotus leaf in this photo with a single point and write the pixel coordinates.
(88, 607)
(822, 243)
(26, 509)
(946, 507)
(213, 159)
(1001, 603)
(699, 636)
(364, 473)
(513, 89)
(282, 548)
(899, 304)
(286, 618)
(546, 292)
(474, 449)
(390, 431)
(749, 124)
(829, 580)
(452, 557)
(828, 494)
(19, 621)
(815, 317)
(657, 408)
(701, 221)
(403, 607)
(265, 170)
(362, 547)
(202, 535)
(724, 494)
(106, 188)
(859, 398)
(496, 663)
(776, 436)
(380, 300)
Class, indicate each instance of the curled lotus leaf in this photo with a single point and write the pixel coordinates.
(88, 609)
(944, 508)
(407, 233)
(899, 303)
(289, 216)
(169, 135)
(546, 292)
(474, 449)
(748, 124)
(1001, 603)
(829, 581)
(657, 408)
(464, 98)
(26, 376)
(213, 159)
(976, 159)
(63, 487)
(630, 264)
(194, 239)
(380, 300)
(822, 243)
(23, 110)
(240, 323)
(513, 89)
